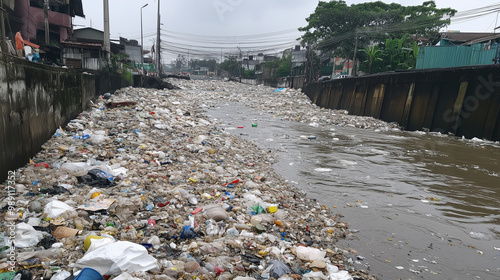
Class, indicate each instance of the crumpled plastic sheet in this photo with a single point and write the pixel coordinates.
(118, 257)
(26, 236)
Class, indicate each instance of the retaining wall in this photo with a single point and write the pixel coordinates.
(464, 101)
(35, 100)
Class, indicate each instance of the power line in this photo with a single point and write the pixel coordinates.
(197, 45)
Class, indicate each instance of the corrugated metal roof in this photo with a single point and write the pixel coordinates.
(463, 36)
(483, 39)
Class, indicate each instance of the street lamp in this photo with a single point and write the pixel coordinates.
(142, 43)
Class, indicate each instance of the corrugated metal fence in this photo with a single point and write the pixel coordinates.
(455, 56)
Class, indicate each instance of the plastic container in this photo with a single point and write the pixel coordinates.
(89, 274)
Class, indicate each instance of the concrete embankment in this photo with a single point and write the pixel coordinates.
(35, 100)
(463, 101)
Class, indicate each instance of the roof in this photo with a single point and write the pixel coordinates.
(483, 39)
(463, 37)
(90, 29)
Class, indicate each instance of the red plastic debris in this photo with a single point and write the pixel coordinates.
(160, 204)
(44, 164)
(197, 210)
(233, 182)
(218, 270)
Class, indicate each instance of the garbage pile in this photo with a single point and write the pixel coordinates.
(144, 186)
(285, 103)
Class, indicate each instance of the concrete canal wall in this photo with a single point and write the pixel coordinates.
(35, 100)
(464, 101)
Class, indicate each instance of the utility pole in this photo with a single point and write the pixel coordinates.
(354, 58)
(107, 43)
(46, 15)
(4, 42)
(158, 48)
(333, 67)
(241, 61)
(309, 64)
(142, 43)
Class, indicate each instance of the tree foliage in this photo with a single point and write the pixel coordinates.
(115, 62)
(284, 66)
(334, 24)
(373, 54)
(231, 66)
(391, 55)
(197, 63)
(279, 67)
(179, 62)
(249, 74)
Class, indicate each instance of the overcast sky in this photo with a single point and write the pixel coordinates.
(216, 18)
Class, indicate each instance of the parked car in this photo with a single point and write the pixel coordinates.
(341, 76)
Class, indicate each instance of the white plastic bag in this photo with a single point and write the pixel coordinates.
(317, 275)
(75, 167)
(56, 208)
(96, 243)
(125, 276)
(335, 274)
(26, 236)
(309, 253)
(118, 257)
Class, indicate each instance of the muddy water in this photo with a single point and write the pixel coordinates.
(421, 206)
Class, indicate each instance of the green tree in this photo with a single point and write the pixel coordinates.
(284, 66)
(179, 62)
(115, 62)
(249, 74)
(400, 54)
(210, 63)
(193, 64)
(334, 24)
(373, 54)
(197, 63)
(231, 66)
(393, 54)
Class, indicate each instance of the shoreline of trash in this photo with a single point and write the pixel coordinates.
(152, 189)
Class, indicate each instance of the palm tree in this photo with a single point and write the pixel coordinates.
(373, 53)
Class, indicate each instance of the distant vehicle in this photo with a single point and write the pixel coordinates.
(324, 78)
(342, 76)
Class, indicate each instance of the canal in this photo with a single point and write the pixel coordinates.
(419, 205)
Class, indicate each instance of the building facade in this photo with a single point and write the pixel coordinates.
(29, 19)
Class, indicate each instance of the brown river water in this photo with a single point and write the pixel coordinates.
(419, 205)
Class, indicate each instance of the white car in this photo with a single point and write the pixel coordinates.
(343, 76)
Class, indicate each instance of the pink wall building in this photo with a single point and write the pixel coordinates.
(32, 20)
